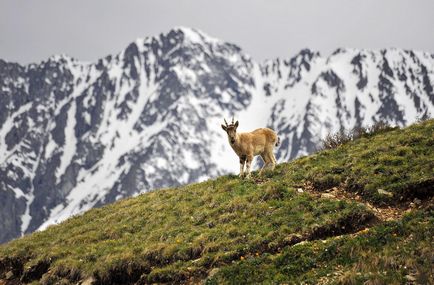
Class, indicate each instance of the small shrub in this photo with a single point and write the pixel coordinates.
(359, 132)
(380, 127)
(332, 141)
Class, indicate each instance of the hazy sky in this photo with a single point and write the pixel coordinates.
(31, 31)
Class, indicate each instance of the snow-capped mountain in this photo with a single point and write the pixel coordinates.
(314, 95)
(77, 135)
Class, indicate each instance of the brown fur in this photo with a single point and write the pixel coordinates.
(247, 145)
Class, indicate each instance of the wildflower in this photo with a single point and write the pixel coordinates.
(364, 231)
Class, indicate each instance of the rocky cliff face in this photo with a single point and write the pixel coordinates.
(77, 135)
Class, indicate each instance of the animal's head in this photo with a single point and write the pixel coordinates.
(231, 130)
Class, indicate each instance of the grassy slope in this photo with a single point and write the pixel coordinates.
(229, 230)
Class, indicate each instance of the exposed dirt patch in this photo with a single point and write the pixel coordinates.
(11, 269)
(36, 271)
(345, 225)
(383, 213)
(422, 190)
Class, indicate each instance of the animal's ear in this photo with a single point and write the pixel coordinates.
(236, 124)
(224, 128)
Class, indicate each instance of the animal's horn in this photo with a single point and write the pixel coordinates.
(225, 121)
(232, 120)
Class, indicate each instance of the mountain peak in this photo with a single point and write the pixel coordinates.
(195, 36)
(175, 36)
(61, 58)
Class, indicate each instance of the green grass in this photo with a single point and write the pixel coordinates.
(390, 253)
(399, 162)
(234, 231)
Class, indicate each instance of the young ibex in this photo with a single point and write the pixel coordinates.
(247, 145)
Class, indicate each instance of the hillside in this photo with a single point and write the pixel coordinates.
(76, 135)
(361, 212)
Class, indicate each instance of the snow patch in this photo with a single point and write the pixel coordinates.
(196, 36)
(50, 147)
(18, 192)
(185, 74)
(190, 159)
(70, 142)
(26, 217)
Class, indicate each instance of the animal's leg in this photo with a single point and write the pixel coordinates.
(272, 159)
(242, 162)
(266, 162)
(248, 164)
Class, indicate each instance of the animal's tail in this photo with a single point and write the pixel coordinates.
(278, 141)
